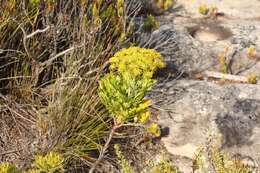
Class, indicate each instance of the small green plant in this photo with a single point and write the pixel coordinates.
(203, 9)
(163, 165)
(8, 168)
(51, 163)
(210, 157)
(222, 61)
(124, 164)
(207, 10)
(34, 2)
(150, 23)
(251, 51)
(154, 129)
(252, 78)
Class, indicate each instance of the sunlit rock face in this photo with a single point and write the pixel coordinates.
(193, 109)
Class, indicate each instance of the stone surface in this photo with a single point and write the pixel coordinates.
(199, 51)
(196, 55)
(237, 9)
(190, 109)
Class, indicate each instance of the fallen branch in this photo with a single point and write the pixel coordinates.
(230, 77)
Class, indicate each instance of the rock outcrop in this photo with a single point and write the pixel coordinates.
(190, 109)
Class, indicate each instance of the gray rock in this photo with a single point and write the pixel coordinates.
(236, 9)
(200, 44)
(190, 109)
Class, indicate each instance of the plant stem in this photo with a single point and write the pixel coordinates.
(103, 150)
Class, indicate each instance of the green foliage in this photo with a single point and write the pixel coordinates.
(51, 163)
(210, 157)
(136, 61)
(150, 23)
(222, 61)
(8, 168)
(163, 166)
(123, 95)
(120, 7)
(34, 2)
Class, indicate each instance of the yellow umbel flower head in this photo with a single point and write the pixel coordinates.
(137, 61)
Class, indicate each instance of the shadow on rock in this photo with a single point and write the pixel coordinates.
(237, 125)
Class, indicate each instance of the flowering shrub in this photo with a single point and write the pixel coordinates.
(122, 90)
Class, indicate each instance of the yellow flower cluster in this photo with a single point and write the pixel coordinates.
(137, 61)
